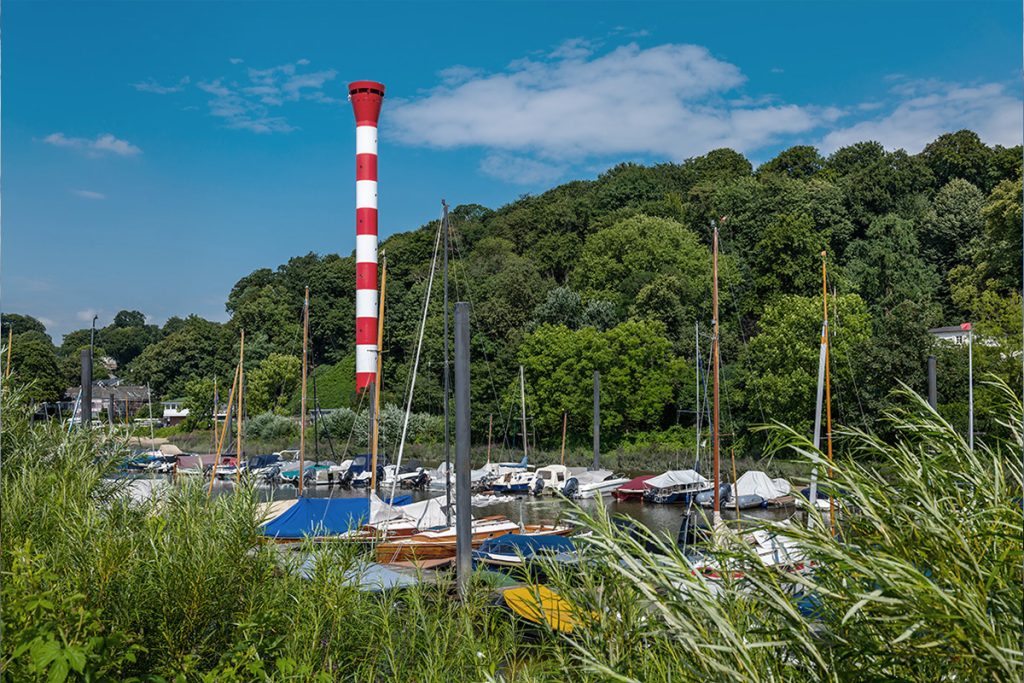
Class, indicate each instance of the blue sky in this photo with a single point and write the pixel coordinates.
(154, 153)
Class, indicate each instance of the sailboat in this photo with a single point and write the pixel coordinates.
(521, 479)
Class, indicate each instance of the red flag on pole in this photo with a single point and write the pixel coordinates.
(965, 326)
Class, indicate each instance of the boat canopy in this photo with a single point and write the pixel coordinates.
(676, 478)
(319, 517)
(757, 483)
(263, 460)
(637, 484)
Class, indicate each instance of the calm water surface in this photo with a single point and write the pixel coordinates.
(533, 510)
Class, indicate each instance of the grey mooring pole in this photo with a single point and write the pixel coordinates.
(463, 532)
(597, 419)
(86, 401)
(933, 391)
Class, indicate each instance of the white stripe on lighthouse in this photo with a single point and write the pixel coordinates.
(366, 139)
(366, 303)
(366, 249)
(366, 358)
(366, 194)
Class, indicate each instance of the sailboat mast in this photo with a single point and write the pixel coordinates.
(305, 374)
(828, 393)
(565, 420)
(225, 430)
(715, 359)
(10, 343)
(522, 403)
(238, 420)
(490, 427)
(447, 427)
(696, 365)
(376, 382)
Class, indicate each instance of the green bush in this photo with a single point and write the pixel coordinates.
(269, 426)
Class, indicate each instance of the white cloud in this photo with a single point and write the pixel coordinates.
(88, 194)
(151, 86)
(86, 315)
(248, 105)
(236, 60)
(101, 145)
(582, 106)
(925, 109)
(520, 169)
(573, 104)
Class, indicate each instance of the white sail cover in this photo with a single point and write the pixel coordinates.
(757, 483)
(424, 514)
(676, 478)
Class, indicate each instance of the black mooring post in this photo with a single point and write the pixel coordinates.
(933, 391)
(597, 419)
(86, 400)
(463, 532)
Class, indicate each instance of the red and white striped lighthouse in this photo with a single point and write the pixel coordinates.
(366, 98)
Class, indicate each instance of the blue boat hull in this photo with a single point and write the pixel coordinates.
(511, 488)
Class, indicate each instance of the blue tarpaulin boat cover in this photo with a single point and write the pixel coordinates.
(322, 517)
(319, 517)
(527, 545)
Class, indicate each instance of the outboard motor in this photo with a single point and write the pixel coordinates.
(571, 488)
(346, 480)
(421, 480)
(538, 486)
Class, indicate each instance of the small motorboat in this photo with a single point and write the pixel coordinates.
(518, 550)
(633, 489)
(675, 486)
(707, 498)
(516, 481)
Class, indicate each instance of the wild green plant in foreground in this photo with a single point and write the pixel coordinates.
(924, 583)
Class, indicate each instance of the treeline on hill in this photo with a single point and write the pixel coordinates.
(612, 274)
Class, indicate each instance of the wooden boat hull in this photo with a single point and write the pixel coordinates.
(417, 548)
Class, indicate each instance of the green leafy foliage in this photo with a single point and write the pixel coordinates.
(924, 240)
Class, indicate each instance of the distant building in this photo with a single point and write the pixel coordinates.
(174, 411)
(118, 400)
(954, 334)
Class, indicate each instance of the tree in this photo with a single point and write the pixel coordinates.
(129, 319)
(958, 155)
(800, 162)
(1002, 247)
(561, 307)
(617, 262)
(780, 364)
(659, 300)
(954, 224)
(196, 350)
(638, 375)
(271, 385)
(19, 324)
(199, 393)
(887, 268)
(787, 257)
(600, 314)
(34, 365)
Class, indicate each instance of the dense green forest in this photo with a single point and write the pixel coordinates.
(612, 274)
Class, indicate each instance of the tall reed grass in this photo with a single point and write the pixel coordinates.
(924, 582)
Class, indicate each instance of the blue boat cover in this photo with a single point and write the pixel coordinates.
(527, 545)
(319, 517)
